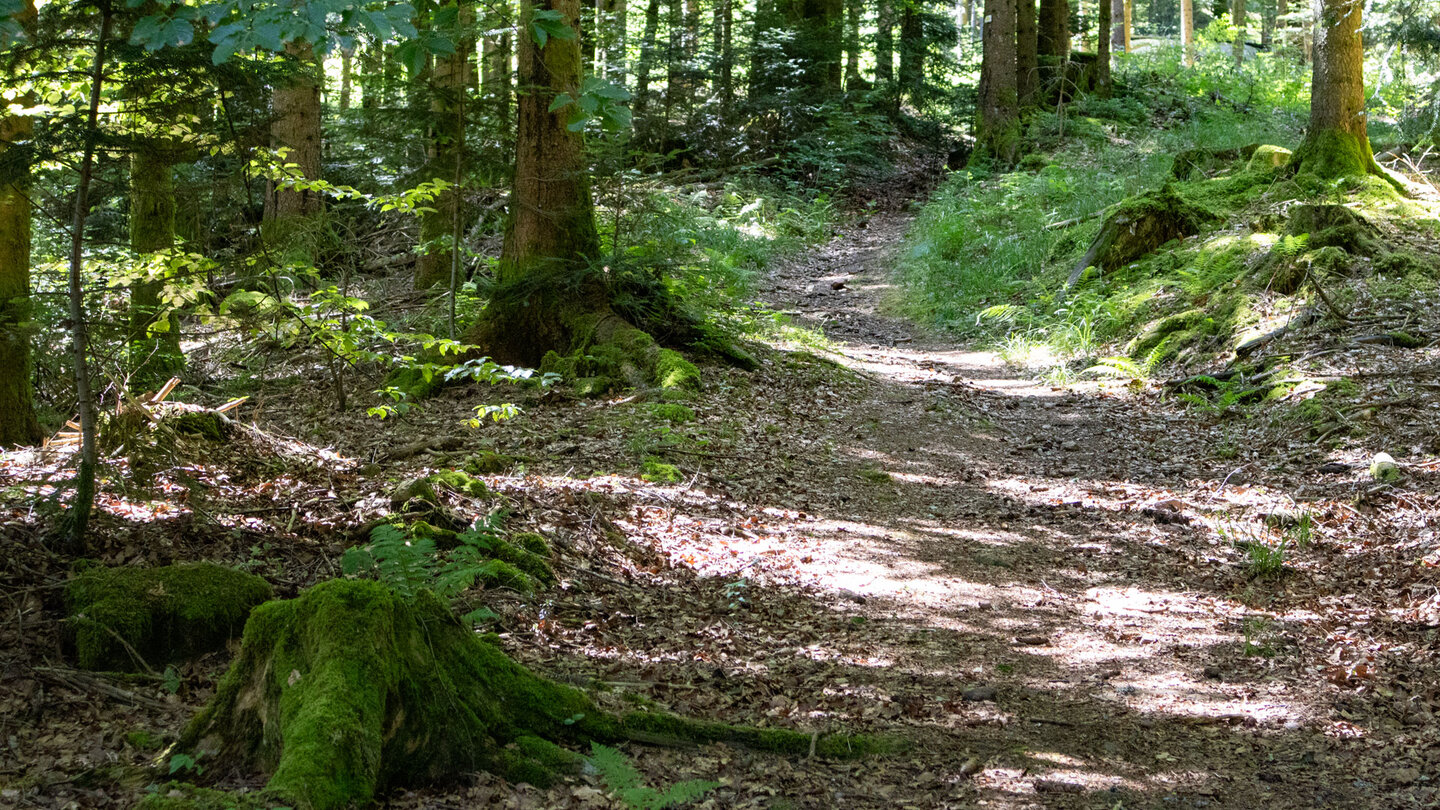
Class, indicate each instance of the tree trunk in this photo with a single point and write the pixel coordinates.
(17, 408)
(675, 79)
(1129, 12)
(296, 127)
(449, 79)
(852, 45)
(1267, 23)
(818, 42)
(647, 57)
(1053, 32)
(372, 65)
(998, 133)
(1237, 16)
(1187, 31)
(155, 354)
(912, 53)
(78, 519)
(1336, 143)
(347, 59)
(1027, 67)
(1102, 48)
(725, 51)
(1117, 27)
(496, 78)
(885, 42)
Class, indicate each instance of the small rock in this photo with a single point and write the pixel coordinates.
(970, 767)
(1057, 786)
(1033, 641)
(837, 285)
(1406, 776)
(1213, 673)
(1333, 468)
(979, 694)
(1384, 469)
(1070, 445)
(858, 598)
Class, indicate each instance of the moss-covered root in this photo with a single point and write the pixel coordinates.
(160, 614)
(1139, 226)
(610, 353)
(348, 690)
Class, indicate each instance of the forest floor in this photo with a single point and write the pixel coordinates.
(1044, 589)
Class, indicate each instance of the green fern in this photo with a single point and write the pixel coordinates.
(1291, 246)
(623, 781)
(403, 563)
(1118, 367)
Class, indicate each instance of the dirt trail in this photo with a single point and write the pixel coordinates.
(1022, 556)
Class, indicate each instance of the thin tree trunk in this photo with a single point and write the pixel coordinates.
(998, 134)
(852, 45)
(17, 407)
(347, 58)
(372, 66)
(1267, 23)
(1102, 48)
(448, 80)
(79, 516)
(885, 42)
(1187, 31)
(297, 128)
(1237, 16)
(647, 56)
(725, 50)
(1129, 14)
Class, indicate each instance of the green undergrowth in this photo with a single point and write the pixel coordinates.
(990, 256)
(130, 619)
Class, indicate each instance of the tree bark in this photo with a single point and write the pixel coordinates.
(449, 79)
(885, 42)
(818, 42)
(1102, 48)
(347, 59)
(647, 57)
(852, 44)
(912, 53)
(1336, 143)
(1117, 27)
(17, 408)
(998, 133)
(1237, 17)
(1129, 13)
(78, 519)
(296, 127)
(155, 354)
(1187, 31)
(1053, 32)
(725, 51)
(1027, 67)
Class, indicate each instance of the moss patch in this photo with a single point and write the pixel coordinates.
(1268, 158)
(488, 462)
(673, 371)
(671, 412)
(348, 690)
(658, 472)
(163, 614)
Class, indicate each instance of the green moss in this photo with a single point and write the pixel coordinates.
(461, 482)
(531, 542)
(672, 370)
(143, 740)
(180, 796)
(1268, 158)
(443, 538)
(671, 412)
(164, 613)
(658, 472)
(206, 424)
(416, 383)
(488, 462)
(593, 386)
(1331, 153)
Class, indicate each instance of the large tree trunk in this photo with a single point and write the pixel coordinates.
(1117, 27)
(449, 79)
(155, 354)
(17, 410)
(496, 78)
(818, 42)
(852, 44)
(725, 51)
(998, 133)
(1027, 66)
(349, 690)
(296, 127)
(1187, 31)
(912, 53)
(1053, 33)
(1336, 144)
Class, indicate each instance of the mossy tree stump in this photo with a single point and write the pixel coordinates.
(348, 690)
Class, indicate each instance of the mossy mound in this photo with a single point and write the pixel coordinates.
(1335, 226)
(429, 488)
(349, 690)
(617, 355)
(1268, 158)
(205, 424)
(163, 614)
(488, 462)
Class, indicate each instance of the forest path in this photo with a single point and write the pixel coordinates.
(1030, 566)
